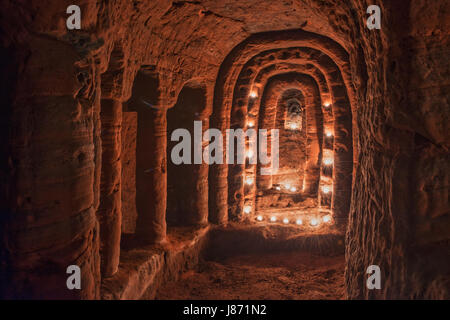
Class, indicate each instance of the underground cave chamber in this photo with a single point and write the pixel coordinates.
(90, 132)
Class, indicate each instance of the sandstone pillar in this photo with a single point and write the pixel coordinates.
(343, 162)
(151, 175)
(110, 209)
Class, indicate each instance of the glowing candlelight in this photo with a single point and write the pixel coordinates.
(249, 181)
(293, 126)
(314, 222)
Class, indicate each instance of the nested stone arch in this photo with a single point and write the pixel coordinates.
(281, 82)
(324, 64)
(276, 85)
(272, 69)
(236, 188)
(339, 117)
(261, 42)
(272, 59)
(236, 185)
(304, 65)
(264, 76)
(239, 119)
(268, 60)
(225, 83)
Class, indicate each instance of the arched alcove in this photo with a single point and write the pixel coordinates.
(187, 183)
(150, 157)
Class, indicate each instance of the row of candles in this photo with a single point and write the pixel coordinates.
(287, 186)
(254, 94)
(314, 221)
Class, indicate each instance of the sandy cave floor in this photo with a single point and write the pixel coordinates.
(281, 276)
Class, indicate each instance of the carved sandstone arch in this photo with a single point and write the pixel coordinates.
(236, 175)
(338, 95)
(227, 78)
(187, 188)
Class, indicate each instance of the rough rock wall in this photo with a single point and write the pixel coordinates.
(50, 215)
(53, 90)
(399, 218)
(129, 132)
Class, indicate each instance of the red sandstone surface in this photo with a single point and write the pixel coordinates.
(87, 115)
(281, 276)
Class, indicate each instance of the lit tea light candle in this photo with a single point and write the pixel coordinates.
(260, 218)
(278, 188)
(287, 186)
(253, 94)
(329, 134)
(285, 220)
(327, 104)
(328, 161)
(249, 154)
(326, 189)
(273, 219)
(249, 181)
(314, 222)
(326, 218)
(293, 189)
(299, 222)
(247, 209)
(251, 124)
(293, 126)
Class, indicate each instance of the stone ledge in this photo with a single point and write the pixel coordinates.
(237, 239)
(143, 269)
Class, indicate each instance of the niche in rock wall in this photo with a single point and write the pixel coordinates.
(187, 185)
(291, 123)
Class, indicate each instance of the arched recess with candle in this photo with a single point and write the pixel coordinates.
(187, 182)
